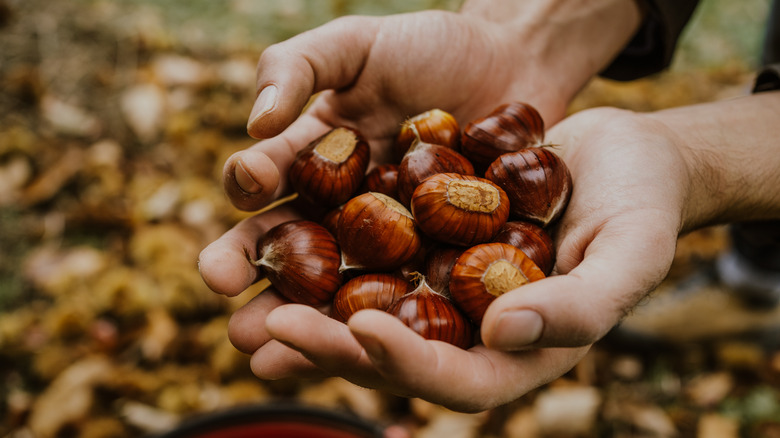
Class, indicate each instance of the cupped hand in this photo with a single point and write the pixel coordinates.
(615, 243)
(372, 73)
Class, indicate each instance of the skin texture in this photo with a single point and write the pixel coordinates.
(640, 180)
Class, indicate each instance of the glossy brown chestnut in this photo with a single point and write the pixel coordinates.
(424, 160)
(438, 264)
(434, 126)
(382, 179)
(509, 127)
(532, 239)
(330, 220)
(330, 169)
(376, 233)
(486, 271)
(537, 182)
(459, 209)
(433, 316)
(368, 291)
(301, 260)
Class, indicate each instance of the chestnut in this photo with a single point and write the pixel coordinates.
(532, 239)
(486, 271)
(433, 126)
(424, 160)
(330, 220)
(382, 179)
(433, 316)
(509, 127)
(330, 169)
(537, 181)
(301, 260)
(368, 291)
(459, 209)
(438, 265)
(376, 232)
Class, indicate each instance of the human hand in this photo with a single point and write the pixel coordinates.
(385, 76)
(614, 244)
(374, 72)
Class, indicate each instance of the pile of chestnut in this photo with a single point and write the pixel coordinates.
(425, 238)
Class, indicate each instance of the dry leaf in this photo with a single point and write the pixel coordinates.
(69, 398)
(339, 393)
(442, 422)
(176, 70)
(161, 331)
(69, 119)
(521, 424)
(567, 410)
(709, 389)
(148, 418)
(143, 107)
(717, 426)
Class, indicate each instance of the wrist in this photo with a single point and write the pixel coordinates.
(730, 150)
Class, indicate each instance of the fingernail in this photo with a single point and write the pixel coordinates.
(245, 180)
(264, 103)
(516, 329)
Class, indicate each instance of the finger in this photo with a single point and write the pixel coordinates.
(274, 361)
(225, 264)
(246, 328)
(325, 342)
(428, 369)
(619, 265)
(289, 73)
(255, 176)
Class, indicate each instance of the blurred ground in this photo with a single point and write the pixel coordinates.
(115, 119)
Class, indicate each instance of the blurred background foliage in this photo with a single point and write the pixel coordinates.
(115, 119)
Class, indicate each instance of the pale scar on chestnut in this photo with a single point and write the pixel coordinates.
(393, 204)
(502, 276)
(473, 196)
(337, 146)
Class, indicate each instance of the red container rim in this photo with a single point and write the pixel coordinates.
(276, 420)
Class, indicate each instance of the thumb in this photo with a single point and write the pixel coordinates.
(289, 73)
(619, 266)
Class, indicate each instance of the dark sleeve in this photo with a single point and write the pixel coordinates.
(768, 79)
(771, 54)
(652, 47)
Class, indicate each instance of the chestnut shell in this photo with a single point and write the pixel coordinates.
(368, 291)
(424, 160)
(381, 179)
(532, 239)
(375, 232)
(484, 272)
(331, 168)
(537, 181)
(459, 209)
(433, 126)
(509, 127)
(301, 260)
(439, 261)
(433, 316)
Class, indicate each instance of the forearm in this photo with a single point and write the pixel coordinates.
(733, 154)
(572, 40)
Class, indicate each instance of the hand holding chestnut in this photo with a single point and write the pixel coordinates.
(639, 179)
(380, 246)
